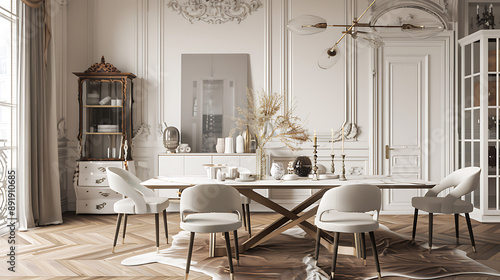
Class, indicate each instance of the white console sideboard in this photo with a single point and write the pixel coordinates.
(187, 164)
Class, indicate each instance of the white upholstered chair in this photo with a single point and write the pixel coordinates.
(211, 208)
(139, 200)
(343, 209)
(465, 181)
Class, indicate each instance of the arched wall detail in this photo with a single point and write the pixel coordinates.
(439, 11)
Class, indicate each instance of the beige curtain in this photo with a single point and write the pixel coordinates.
(35, 4)
(41, 197)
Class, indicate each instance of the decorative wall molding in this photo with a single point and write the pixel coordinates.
(153, 47)
(91, 32)
(141, 133)
(268, 72)
(286, 57)
(59, 71)
(352, 92)
(61, 128)
(162, 79)
(215, 11)
(440, 11)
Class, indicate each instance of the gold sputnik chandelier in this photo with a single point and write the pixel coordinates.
(309, 24)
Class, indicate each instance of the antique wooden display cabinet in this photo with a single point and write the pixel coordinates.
(105, 96)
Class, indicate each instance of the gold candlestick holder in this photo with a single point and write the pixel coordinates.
(333, 164)
(342, 174)
(315, 166)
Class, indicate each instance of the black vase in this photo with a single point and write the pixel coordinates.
(302, 166)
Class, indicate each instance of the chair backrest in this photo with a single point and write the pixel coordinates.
(127, 184)
(351, 198)
(208, 198)
(464, 180)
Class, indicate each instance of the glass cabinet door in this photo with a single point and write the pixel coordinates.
(480, 111)
(102, 118)
(492, 106)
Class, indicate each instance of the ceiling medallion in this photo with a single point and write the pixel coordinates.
(215, 11)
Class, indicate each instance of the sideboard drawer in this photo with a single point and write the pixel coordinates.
(96, 206)
(93, 168)
(96, 193)
(193, 165)
(99, 180)
(249, 162)
(227, 160)
(93, 173)
(171, 165)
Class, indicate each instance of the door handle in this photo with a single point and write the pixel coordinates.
(387, 149)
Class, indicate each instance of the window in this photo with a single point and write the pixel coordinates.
(8, 95)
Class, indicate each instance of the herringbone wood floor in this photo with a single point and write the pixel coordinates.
(81, 247)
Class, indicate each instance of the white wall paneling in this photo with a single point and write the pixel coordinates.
(147, 38)
(58, 81)
(319, 93)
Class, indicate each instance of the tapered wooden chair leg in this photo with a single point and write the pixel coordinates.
(228, 252)
(318, 241)
(190, 253)
(236, 248)
(375, 254)
(249, 226)
(243, 212)
(363, 248)
(165, 223)
(157, 230)
(118, 222)
(456, 228)
(124, 227)
(335, 250)
(471, 234)
(415, 217)
(430, 231)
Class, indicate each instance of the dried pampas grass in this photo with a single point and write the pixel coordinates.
(268, 120)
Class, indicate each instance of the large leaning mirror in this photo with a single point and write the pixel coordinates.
(213, 86)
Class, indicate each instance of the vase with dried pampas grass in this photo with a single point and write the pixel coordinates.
(266, 117)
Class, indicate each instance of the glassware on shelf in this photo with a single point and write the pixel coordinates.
(93, 98)
(105, 98)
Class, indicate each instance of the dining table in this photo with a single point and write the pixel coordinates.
(298, 215)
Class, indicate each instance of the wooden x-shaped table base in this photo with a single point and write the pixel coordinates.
(289, 219)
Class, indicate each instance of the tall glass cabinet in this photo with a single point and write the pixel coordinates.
(479, 103)
(105, 96)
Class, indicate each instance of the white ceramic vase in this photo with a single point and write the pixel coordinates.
(220, 145)
(240, 149)
(277, 170)
(229, 145)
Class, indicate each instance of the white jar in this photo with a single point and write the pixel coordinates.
(229, 145)
(240, 149)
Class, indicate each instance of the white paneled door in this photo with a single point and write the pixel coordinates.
(413, 123)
